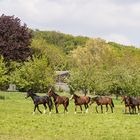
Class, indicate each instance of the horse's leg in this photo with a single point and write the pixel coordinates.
(34, 109)
(138, 109)
(129, 110)
(56, 107)
(45, 108)
(125, 109)
(81, 108)
(106, 107)
(135, 110)
(87, 108)
(65, 107)
(97, 108)
(111, 108)
(50, 110)
(38, 109)
(101, 109)
(75, 109)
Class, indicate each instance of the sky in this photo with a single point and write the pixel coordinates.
(112, 20)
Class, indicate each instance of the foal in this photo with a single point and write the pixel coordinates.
(81, 100)
(59, 100)
(40, 100)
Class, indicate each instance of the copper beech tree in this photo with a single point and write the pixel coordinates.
(15, 39)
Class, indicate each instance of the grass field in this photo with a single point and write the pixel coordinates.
(18, 123)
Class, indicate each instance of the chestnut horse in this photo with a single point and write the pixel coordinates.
(59, 100)
(103, 100)
(80, 100)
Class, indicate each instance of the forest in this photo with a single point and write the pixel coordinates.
(29, 59)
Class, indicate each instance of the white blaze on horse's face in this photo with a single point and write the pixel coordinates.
(71, 97)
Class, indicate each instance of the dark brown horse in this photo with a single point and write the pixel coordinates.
(59, 100)
(80, 100)
(103, 100)
(134, 102)
(126, 103)
(40, 100)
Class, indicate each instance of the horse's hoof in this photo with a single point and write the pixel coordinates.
(33, 113)
(44, 111)
(86, 110)
(50, 113)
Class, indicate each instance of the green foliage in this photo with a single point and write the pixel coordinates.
(35, 74)
(104, 69)
(3, 74)
(64, 41)
(56, 58)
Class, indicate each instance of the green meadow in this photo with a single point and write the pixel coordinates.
(18, 123)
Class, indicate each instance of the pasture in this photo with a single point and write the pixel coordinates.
(18, 123)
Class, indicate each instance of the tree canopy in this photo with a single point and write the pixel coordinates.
(15, 39)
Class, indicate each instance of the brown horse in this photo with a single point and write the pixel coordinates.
(80, 100)
(134, 102)
(103, 100)
(59, 100)
(126, 103)
(131, 103)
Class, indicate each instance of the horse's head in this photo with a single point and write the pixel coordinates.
(124, 98)
(29, 93)
(92, 100)
(50, 92)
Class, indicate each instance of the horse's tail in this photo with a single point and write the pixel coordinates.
(67, 103)
(50, 103)
(112, 103)
(90, 101)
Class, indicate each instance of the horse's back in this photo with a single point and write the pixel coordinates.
(62, 99)
(104, 100)
(84, 100)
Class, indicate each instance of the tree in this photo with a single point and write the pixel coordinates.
(14, 39)
(3, 74)
(55, 56)
(35, 74)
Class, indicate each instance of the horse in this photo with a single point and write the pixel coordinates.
(37, 100)
(131, 103)
(102, 100)
(134, 102)
(80, 100)
(126, 103)
(59, 100)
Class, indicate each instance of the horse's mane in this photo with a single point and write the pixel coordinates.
(31, 93)
(76, 95)
(96, 97)
(54, 93)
